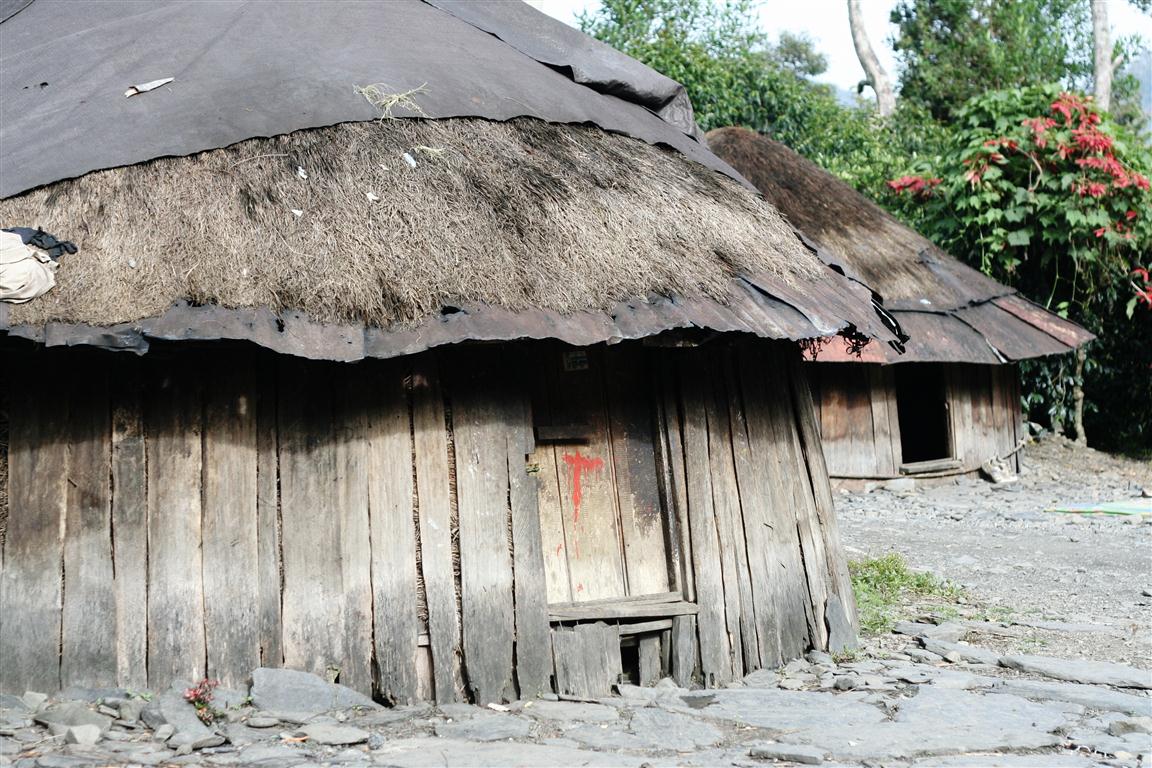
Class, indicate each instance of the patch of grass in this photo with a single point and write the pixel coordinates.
(885, 586)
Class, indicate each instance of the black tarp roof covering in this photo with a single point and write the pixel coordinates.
(246, 69)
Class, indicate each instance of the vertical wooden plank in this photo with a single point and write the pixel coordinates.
(960, 414)
(393, 537)
(649, 659)
(482, 502)
(888, 384)
(354, 391)
(770, 474)
(544, 460)
(30, 580)
(726, 502)
(268, 515)
(533, 642)
(715, 645)
(176, 648)
(836, 561)
(587, 659)
(677, 489)
(130, 524)
(587, 479)
(754, 487)
(796, 474)
(630, 414)
(885, 462)
(684, 655)
(88, 640)
(231, 625)
(313, 603)
(435, 507)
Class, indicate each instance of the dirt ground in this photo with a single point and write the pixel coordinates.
(1072, 585)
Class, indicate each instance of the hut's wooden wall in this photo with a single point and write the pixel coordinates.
(201, 512)
(860, 426)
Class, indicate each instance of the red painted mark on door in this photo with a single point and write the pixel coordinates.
(579, 465)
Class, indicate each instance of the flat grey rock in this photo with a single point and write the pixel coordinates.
(302, 693)
(270, 754)
(260, 721)
(33, 700)
(333, 735)
(791, 753)
(673, 730)
(572, 711)
(92, 695)
(948, 631)
(451, 753)
(1080, 671)
(69, 713)
(494, 728)
(973, 654)
(1089, 696)
(1124, 726)
(608, 739)
(171, 708)
(934, 722)
(841, 634)
(1046, 760)
(84, 735)
(785, 710)
(761, 678)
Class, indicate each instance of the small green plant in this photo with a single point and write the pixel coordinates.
(883, 585)
(200, 697)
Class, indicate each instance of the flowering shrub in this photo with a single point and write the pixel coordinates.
(1042, 191)
(1056, 200)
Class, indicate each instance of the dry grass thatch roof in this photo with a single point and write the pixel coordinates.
(337, 223)
(851, 230)
(952, 312)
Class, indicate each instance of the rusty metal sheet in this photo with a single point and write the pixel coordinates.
(750, 310)
(1014, 338)
(941, 338)
(1055, 326)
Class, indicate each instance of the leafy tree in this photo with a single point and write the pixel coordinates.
(952, 50)
(735, 75)
(1043, 192)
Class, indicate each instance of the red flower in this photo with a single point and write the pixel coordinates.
(1130, 216)
(1091, 140)
(1102, 231)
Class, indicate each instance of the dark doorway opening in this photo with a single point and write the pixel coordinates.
(922, 406)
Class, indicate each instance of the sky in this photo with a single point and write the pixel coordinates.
(826, 22)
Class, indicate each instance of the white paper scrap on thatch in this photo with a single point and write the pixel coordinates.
(149, 86)
(301, 172)
(372, 198)
(297, 212)
(409, 159)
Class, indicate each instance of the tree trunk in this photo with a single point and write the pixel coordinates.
(1078, 397)
(1102, 55)
(877, 77)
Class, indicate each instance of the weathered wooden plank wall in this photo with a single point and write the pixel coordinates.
(201, 513)
(859, 424)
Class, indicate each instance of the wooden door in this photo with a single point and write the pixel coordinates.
(603, 524)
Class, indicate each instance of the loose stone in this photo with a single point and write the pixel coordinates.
(792, 753)
(84, 735)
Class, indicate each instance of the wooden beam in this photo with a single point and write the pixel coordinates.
(390, 455)
(433, 492)
(231, 559)
(623, 610)
(88, 647)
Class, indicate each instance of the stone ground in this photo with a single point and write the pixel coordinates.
(1023, 674)
(1073, 585)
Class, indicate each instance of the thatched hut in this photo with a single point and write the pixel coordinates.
(473, 386)
(951, 401)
